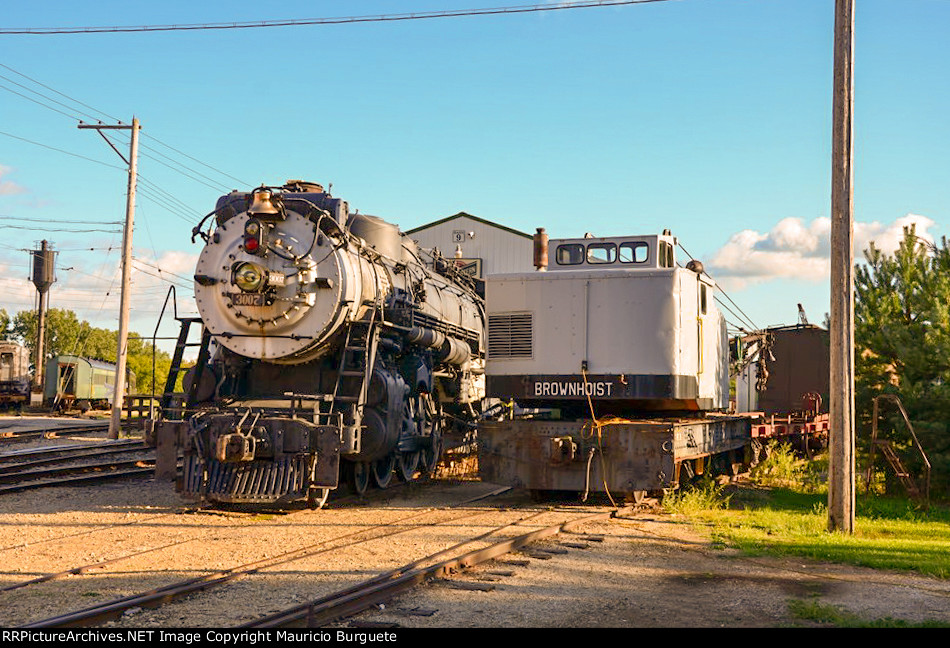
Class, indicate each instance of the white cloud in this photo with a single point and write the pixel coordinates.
(8, 187)
(799, 250)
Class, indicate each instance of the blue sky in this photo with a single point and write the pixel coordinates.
(707, 117)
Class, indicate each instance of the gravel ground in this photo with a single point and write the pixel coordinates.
(644, 569)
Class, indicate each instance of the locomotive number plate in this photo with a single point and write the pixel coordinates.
(247, 299)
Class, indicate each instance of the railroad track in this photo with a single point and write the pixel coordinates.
(380, 589)
(8, 434)
(70, 465)
(449, 518)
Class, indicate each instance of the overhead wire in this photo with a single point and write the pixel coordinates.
(55, 101)
(419, 15)
(59, 150)
(39, 83)
(155, 155)
(746, 318)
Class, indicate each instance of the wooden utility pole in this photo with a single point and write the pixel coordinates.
(841, 436)
(120, 363)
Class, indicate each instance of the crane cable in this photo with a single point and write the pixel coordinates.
(596, 425)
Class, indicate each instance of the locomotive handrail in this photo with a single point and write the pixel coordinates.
(230, 335)
(171, 293)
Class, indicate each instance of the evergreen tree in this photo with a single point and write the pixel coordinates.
(902, 347)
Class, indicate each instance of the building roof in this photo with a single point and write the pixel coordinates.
(474, 218)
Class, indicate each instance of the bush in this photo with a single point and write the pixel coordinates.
(703, 495)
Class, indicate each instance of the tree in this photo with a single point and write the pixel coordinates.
(5, 322)
(67, 335)
(902, 344)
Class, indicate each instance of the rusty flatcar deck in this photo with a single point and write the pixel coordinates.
(625, 455)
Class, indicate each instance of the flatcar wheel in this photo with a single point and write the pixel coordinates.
(359, 477)
(635, 497)
(382, 470)
(407, 465)
(317, 497)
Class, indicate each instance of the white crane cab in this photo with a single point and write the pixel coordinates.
(614, 318)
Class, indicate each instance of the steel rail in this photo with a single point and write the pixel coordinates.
(85, 569)
(51, 433)
(62, 457)
(159, 596)
(126, 469)
(379, 589)
(15, 455)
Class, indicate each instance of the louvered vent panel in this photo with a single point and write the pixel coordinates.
(510, 335)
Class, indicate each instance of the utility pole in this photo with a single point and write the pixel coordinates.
(841, 436)
(120, 363)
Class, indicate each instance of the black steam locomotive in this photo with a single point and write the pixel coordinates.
(330, 349)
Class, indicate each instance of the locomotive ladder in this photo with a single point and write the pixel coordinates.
(185, 398)
(356, 363)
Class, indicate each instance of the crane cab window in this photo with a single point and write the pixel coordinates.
(666, 255)
(634, 252)
(601, 253)
(569, 254)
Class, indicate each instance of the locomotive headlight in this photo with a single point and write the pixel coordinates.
(249, 277)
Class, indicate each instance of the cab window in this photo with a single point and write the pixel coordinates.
(637, 252)
(601, 253)
(569, 254)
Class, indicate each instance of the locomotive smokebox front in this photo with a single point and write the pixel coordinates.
(271, 285)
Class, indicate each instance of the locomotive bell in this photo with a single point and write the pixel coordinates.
(262, 206)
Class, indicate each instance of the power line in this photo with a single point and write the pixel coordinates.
(60, 222)
(58, 103)
(40, 103)
(58, 150)
(57, 91)
(188, 171)
(53, 229)
(419, 15)
(152, 137)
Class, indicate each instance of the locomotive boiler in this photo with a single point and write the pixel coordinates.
(331, 351)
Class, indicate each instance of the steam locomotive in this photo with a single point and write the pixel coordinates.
(331, 351)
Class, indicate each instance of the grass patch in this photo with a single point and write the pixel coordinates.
(817, 612)
(791, 519)
(693, 500)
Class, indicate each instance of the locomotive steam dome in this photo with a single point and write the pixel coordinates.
(271, 285)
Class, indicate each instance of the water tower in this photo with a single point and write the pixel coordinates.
(44, 274)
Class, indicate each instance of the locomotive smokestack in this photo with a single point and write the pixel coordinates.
(541, 250)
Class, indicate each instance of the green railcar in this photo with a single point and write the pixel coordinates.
(81, 382)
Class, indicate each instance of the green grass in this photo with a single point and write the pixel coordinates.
(782, 511)
(816, 612)
(888, 534)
